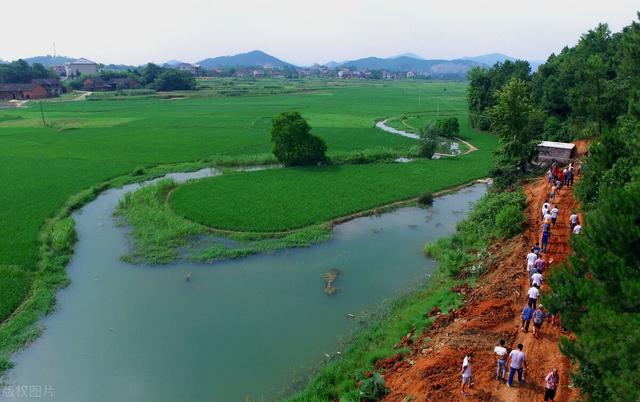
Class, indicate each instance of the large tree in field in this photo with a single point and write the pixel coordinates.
(293, 143)
(517, 122)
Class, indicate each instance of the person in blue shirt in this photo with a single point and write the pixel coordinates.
(527, 314)
(546, 237)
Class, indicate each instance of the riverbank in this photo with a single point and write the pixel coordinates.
(490, 312)
(389, 340)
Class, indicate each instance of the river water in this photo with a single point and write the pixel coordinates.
(249, 327)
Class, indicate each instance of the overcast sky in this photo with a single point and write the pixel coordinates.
(299, 31)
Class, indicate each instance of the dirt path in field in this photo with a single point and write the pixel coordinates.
(491, 312)
(83, 95)
(382, 125)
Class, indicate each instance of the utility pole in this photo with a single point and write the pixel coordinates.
(44, 123)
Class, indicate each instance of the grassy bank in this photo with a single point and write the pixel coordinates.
(462, 256)
(158, 232)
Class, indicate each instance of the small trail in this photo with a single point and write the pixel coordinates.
(83, 95)
(491, 312)
(382, 125)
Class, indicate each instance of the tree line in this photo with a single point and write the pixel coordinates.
(20, 72)
(150, 76)
(591, 90)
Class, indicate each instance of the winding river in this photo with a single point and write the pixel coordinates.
(251, 327)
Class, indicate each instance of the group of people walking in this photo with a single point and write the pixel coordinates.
(514, 361)
(510, 363)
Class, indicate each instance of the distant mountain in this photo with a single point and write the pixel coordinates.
(435, 68)
(333, 64)
(412, 55)
(493, 58)
(49, 60)
(173, 63)
(490, 59)
(255, 58)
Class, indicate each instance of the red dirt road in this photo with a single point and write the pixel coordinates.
(492, 312)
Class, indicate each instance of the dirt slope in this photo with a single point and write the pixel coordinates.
(491, 312)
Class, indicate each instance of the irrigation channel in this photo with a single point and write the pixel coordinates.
(254, 327)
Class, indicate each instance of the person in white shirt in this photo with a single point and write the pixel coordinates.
(573, 220)
(533, 295)
(554, 214)
(518, 362)
(466, 373)
(531, 259)
(577, 229)
(545, 209)
(536, 279)
(501, 352)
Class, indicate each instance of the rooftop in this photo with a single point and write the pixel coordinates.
(553, 144)
(82, 61)
(16, 87)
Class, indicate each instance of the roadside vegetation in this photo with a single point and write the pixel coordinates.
(462, 256)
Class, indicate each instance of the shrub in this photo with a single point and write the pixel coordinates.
(372, 388)
(293, 143)
(425, 199)
(509, 221)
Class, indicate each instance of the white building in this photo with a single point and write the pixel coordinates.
(81, 66)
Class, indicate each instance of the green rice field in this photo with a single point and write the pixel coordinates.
(284, 199)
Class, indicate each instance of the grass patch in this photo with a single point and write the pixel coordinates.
(157, 231)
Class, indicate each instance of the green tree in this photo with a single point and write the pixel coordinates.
(448, 127)
(174, 80)
(484, 83)
(428, 138)
(293, 143)
(517, 122)
(150, 73)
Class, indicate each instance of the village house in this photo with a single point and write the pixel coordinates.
(81, 67)
(190, 68)
(100, 84)
(30, 90)
(549, 151)
(53, 86)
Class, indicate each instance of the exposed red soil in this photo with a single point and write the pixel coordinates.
(491, 311)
